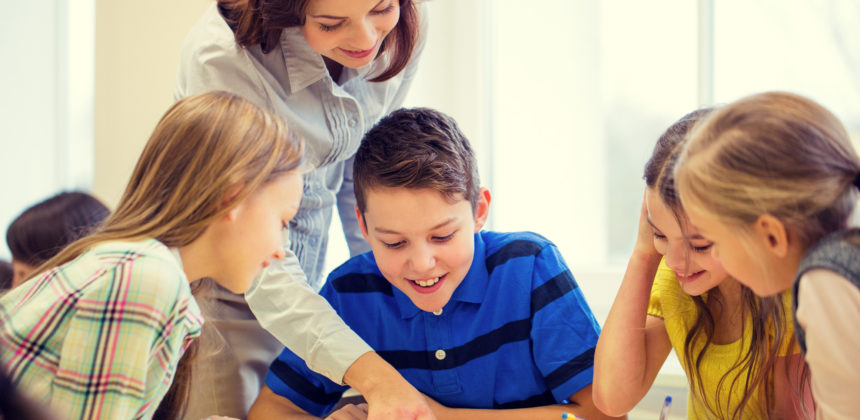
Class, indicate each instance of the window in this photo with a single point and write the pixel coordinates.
(46, 109)
(565, 100)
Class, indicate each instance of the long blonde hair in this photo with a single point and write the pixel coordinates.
(772, 153)
(205, 149)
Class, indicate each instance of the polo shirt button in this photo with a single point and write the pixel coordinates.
(437, 313)
(440, 354)
(353, 122)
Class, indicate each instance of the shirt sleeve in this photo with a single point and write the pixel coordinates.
(564, 330)
(302, 320)
(124, 342)
(828, 310)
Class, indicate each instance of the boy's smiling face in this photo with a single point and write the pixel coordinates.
(423, 243)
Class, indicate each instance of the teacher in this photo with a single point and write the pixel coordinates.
(330, 69)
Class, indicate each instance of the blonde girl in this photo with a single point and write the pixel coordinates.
(736, 348)
(99, 331)
(772, 180)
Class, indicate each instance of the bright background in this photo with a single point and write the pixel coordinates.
(562, 99)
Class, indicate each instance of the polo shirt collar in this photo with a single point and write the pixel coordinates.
(472, 289)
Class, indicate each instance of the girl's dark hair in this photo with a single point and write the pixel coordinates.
(44, 229)
(767, 315)
(6, 275)
(261, 22)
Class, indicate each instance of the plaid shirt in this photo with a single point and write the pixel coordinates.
(100, 336)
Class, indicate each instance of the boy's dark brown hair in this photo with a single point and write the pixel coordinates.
(416, 148)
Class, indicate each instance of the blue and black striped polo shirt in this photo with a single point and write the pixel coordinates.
(517, 332)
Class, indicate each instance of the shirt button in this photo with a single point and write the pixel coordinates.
(353, 122)
(437, 313)
(440, 354)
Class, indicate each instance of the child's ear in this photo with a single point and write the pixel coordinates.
(771, 232)
(482, 209)
(361, 223)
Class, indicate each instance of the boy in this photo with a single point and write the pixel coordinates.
(486, 324)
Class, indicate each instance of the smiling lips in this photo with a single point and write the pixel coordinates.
(359, 54)
(428, 285)
(691, 277)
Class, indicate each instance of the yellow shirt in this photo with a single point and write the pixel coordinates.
(679, 313)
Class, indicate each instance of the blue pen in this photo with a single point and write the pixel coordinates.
(664, 412)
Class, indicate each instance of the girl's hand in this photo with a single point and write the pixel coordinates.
(644, 247)
(350, 412)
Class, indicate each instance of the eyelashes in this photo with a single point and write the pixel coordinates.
(437, 239)
(385, 11)
(700, 249)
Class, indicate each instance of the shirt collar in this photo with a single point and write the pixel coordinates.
(472, 289)
(306, 66)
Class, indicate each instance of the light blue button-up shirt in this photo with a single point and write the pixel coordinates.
(293, 82)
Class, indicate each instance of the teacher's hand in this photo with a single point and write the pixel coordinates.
(388, 395)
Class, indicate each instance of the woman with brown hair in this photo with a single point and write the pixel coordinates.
(330, 69)
(99, 330)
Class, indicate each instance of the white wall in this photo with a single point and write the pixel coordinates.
(137, 53)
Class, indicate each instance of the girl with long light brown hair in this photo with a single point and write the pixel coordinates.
(772, 180)
(98, 331)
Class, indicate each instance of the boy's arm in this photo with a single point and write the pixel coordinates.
(632, 346)
(581, 405)
(269, 405)
(273, 406)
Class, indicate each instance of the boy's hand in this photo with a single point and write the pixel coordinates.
(350, 412)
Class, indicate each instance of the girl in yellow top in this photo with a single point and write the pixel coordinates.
(737, 350)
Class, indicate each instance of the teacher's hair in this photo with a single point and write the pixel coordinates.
(207, 153)
(261, 22)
